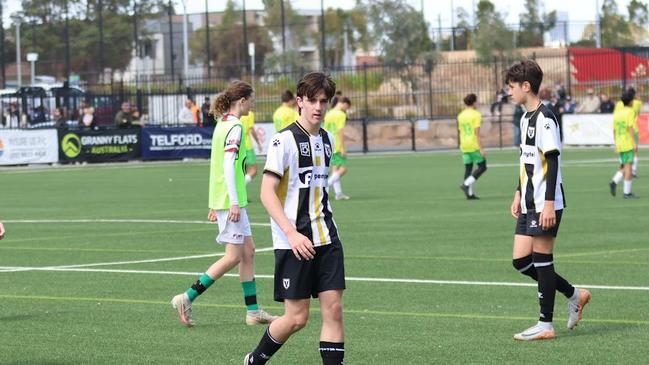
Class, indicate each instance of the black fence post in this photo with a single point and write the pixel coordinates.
(500, 128)
(367, 105)
(623, 55)
(430, 93)
(139, 101)
(412, 134)
(365, 148)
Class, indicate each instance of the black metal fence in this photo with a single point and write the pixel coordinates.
(377, 92)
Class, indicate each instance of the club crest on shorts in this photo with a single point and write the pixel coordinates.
(286, 282)
(305, 150)
(530, 132)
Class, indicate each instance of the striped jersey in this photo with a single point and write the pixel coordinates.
(541, 136)
(301, 162)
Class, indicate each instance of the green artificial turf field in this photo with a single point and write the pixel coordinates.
(93, 255)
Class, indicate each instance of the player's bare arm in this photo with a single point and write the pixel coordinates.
(302, 247)
(516, 205)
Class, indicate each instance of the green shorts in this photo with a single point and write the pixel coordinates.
(338, 160)
(626, 157)
(472, 157)
(251, 157)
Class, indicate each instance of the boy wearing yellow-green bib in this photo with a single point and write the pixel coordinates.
(334, 122)
(636, 105)
(469, 121)
(624, 127)
(227, 206)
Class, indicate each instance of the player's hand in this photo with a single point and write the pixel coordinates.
(211, 215)
(483, 152)
(2, 231)
(635, 149)
(343, 153)
(234, 214)
(548, 217)
(516, 205)
(301, 246)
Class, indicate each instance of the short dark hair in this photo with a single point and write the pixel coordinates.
(527, 70)
(314, 82)
(287, 96)
(631, 90)
(345, 100)
(470, 99)
(627, 97)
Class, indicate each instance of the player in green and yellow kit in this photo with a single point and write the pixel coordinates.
(286, 113)
(624, 131)
(334, 123)
(469, 121)
(248, 122)
(227, 206)
(636, 105)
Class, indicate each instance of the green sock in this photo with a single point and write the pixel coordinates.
(199, 287)
(250, 294)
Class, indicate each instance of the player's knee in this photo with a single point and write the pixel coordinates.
(333, 312)
(299, 321)
(522, 264)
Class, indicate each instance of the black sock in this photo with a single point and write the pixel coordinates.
(525, 266)
(547, 284)
(267, 347)
(333, 353)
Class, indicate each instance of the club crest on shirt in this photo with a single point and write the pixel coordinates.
(286, 283)
(530, 132)
(327, 150)
(304, 149)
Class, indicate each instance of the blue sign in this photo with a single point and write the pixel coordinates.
(176, 142)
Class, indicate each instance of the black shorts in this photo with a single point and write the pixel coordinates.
(301, 279)
(529, 225)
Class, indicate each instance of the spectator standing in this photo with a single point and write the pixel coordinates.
(87, 116)
(606, 106)
(59, 118)
(501, 98)
(124, 118)
(590, 104)
(186, 115)
(208, 118)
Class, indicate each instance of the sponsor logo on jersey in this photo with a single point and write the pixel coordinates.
(305, 150)
(318, 147)
(328, 150)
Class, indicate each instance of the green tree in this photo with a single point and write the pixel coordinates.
(228, 52)
(615, 29)
(341, 24)
(296, 32)
(43, 24)
(492, 36)
(463, 30)
(638, 19)
(534, 25)
(402, 35)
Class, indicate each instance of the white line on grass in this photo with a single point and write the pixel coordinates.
(64, 267)
(359, 279)
(155, 221)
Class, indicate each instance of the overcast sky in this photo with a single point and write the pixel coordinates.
(578, 10)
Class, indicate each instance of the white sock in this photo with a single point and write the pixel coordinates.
(545, 325)
(248, 179)
(469, 180)
(338, 187)
(575, 296)
(333, 178)
(627, 186)
(634, 167)
(471, 189)
(618, 177)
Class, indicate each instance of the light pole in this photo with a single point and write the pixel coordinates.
(32, 58)
(185, 47)
(19, 74)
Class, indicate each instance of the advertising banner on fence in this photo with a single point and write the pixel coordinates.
(588, 129)
(643, 128)
(176, 142)
(99, 145)
(18, 147)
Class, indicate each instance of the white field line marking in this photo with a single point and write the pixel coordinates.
(359, 279)
(55, 268)
(160, 221)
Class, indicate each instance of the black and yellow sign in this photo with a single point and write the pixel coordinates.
(99, 145)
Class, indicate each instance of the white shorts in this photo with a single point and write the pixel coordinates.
(232, 232)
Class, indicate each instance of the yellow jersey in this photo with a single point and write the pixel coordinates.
(334, 121)
(248, 122)
(468, 121)
(623, 125)
(283, 116)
